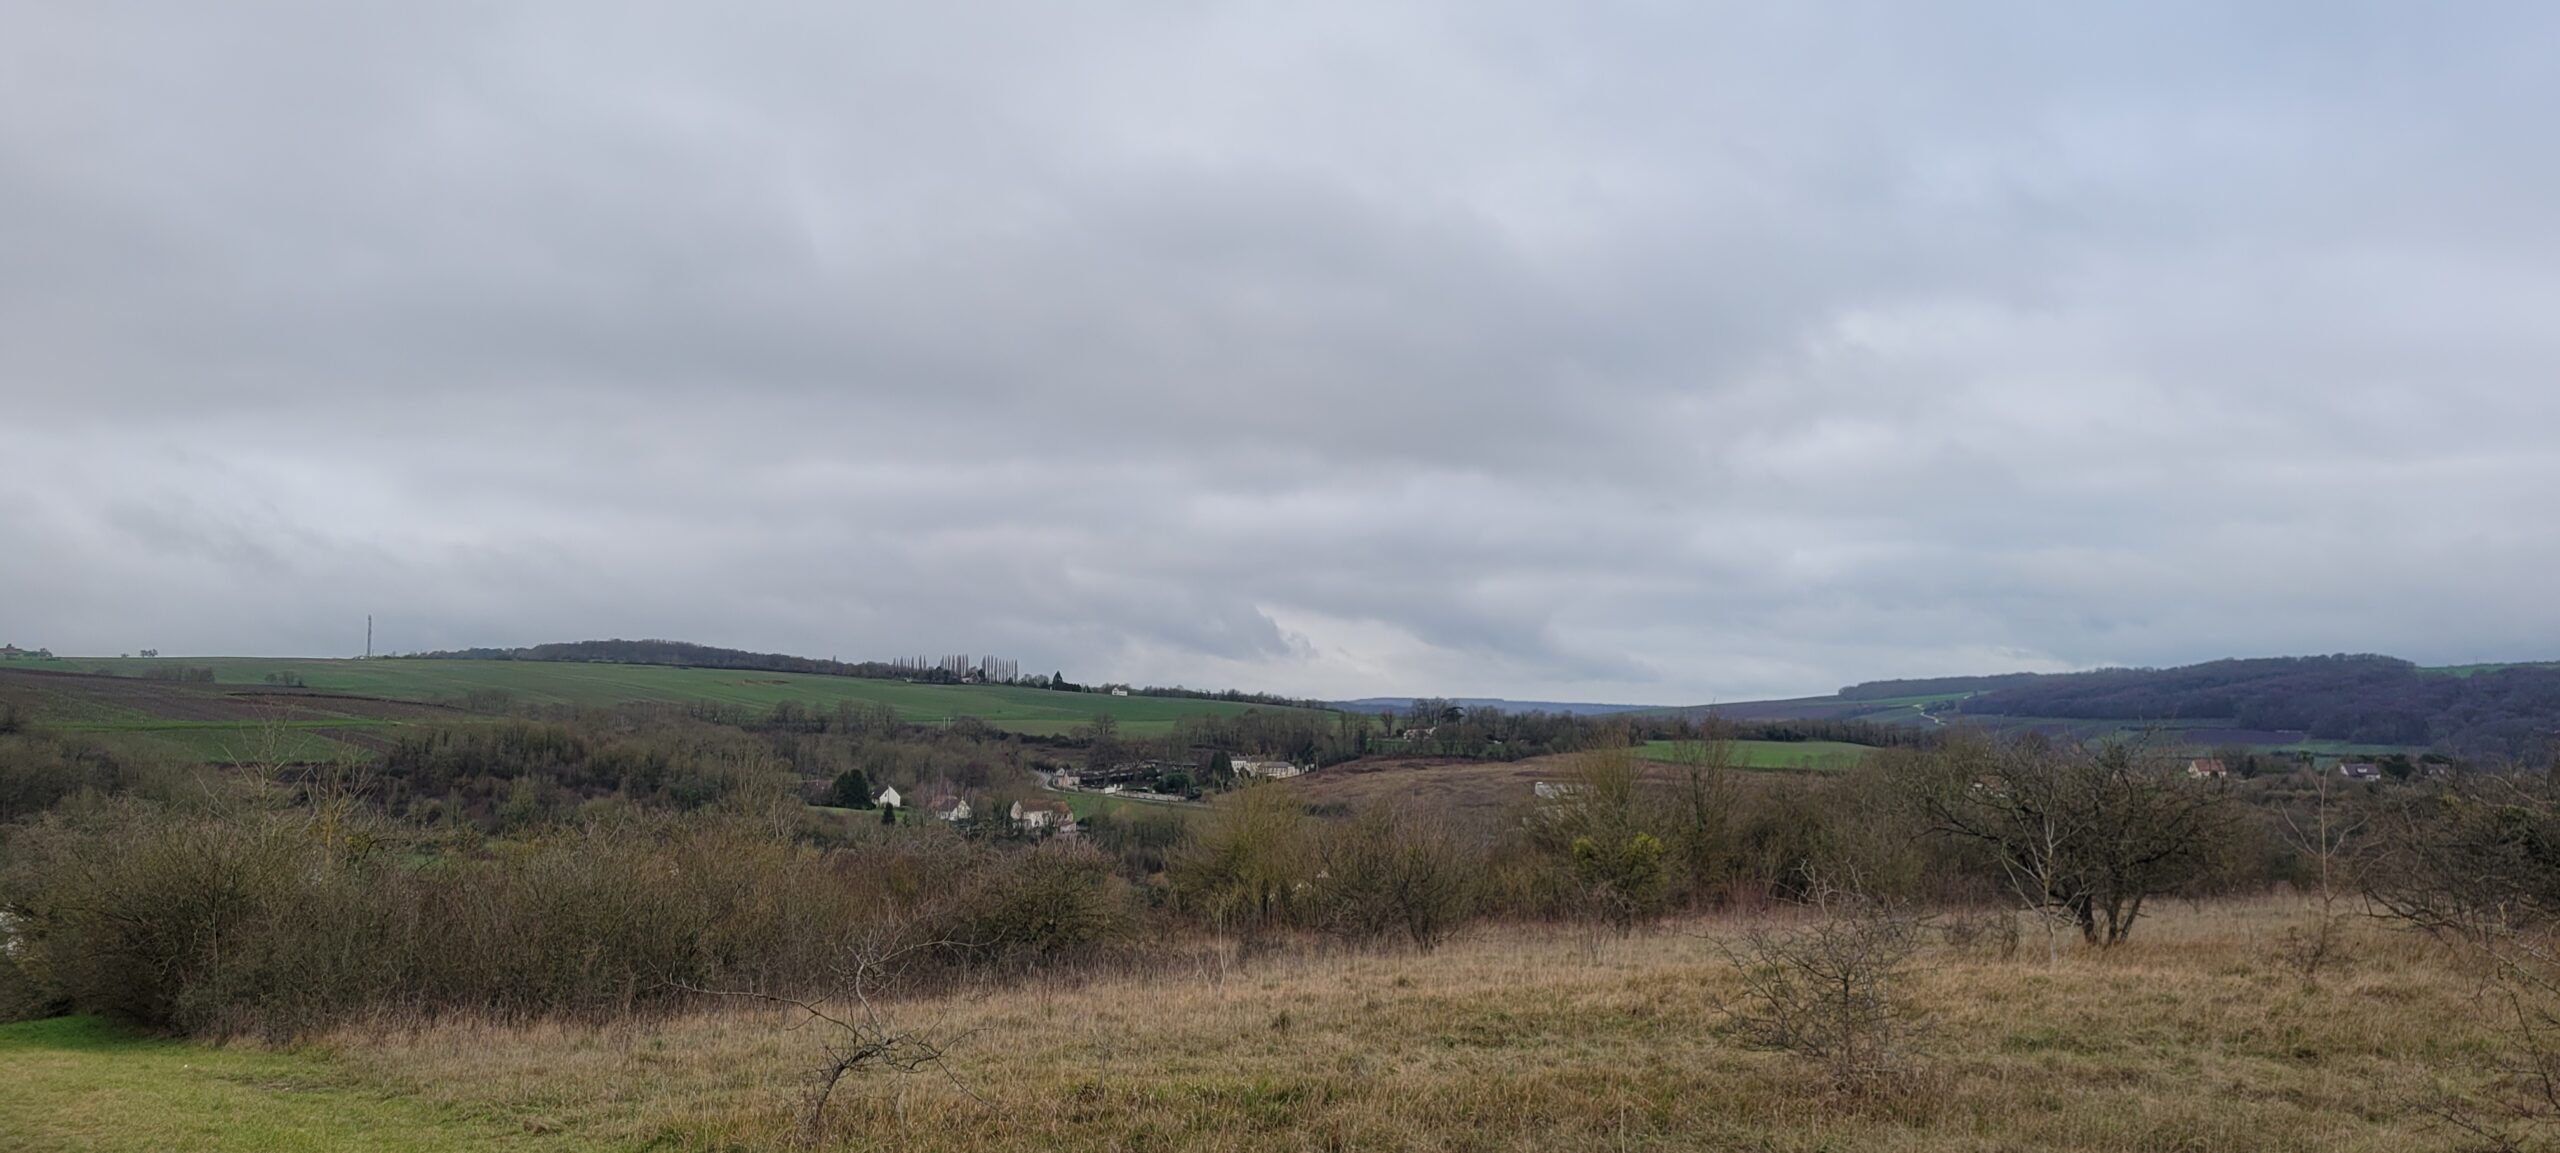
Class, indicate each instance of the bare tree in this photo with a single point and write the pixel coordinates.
(2084, 836)
(2324, 842)
(1701, 807)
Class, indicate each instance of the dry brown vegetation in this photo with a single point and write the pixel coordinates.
(2193, 1035)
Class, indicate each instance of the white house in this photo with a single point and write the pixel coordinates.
(1119, 692)
(948, 807)
(2203, 767)
(1269, 770)
(889, 799)
(1054, 815)
(1554, 790)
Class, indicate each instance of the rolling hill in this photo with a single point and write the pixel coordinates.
(322, 708)
(2346, 704)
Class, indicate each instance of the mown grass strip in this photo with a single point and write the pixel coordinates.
(81, 1085)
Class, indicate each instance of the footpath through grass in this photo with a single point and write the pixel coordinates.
(80, 1085)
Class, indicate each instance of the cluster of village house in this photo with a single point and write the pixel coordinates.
(1054, 817)
(2212, 768)
(1137, 776)
(1027, 816)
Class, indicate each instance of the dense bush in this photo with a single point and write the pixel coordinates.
(1392, 873)
(274, 922)
(40, 772)
(1054, 903)
(513, 774)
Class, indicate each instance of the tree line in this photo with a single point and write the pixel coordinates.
(2505, 713)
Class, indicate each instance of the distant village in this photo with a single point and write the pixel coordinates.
(1161, 781)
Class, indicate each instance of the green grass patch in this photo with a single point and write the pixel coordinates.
(2470, 670)
(77, 1085)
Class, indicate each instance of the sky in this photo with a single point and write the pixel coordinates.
(1647, 352)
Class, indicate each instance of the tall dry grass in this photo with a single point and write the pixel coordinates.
(2193, 1036)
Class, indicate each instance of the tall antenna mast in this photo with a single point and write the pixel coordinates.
(368, 636)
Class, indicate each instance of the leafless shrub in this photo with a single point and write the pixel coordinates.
(1391, 873)
(2471, 862)
(2518, 1108)
(1035, 909)
(1596, 828)
(2324, 841)
(859, 1035)
(1831, 990)
(1245, 872)
(1992, 929)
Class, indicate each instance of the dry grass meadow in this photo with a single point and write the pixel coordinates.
(2193, 1036)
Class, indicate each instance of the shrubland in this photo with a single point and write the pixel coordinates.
(1719, 956)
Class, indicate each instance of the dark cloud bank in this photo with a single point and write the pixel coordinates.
(1654, 352)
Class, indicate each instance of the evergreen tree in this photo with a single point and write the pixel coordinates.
(852, 790)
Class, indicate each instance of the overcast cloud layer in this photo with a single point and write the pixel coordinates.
(1653, 352)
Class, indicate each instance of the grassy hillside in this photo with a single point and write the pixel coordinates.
(2190, 1037)
(243, 708)
(1908, 710)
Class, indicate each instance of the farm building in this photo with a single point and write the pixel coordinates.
(1269, 770)
(2360, 770)
(888, 799)
(2207, 767)
(947, 807)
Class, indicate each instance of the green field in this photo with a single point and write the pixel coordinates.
(1021, 710)
(1778, 754)
(244, 717)
(2468, 670)
(75, 1083)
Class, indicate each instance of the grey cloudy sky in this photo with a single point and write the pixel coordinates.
(1652, 351)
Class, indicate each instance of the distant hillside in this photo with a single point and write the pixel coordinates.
(680, 654)
(684, 654)
(1932, 686)
(2495, 712)
(2500, 712)
(1376, 705)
